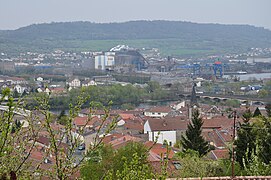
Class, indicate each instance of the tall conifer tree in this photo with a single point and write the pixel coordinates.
(257, 112)
(268, 109)
(193, 138)
(246, 141)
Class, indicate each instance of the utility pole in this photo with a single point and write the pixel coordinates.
(233, 138)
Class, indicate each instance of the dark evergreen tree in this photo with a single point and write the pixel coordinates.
(62, 118)
(257, 112)
(247, 115)
(62, 113)
(24, 93)
(16, 126)
(268, 109)
(16, 94)
(193, 139)
(246, 141)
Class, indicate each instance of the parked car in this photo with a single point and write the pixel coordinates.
(82, 147)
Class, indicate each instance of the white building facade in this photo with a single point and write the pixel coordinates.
(105, 61)
(75, 83)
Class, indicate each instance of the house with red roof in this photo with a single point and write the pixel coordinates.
(217, 122)
(86, 122)
(158, 153)
(130, 124)
(117, 141)
(165, 129)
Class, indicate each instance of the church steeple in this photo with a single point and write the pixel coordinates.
(193, 100)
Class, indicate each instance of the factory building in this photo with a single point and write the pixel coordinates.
(105, 61)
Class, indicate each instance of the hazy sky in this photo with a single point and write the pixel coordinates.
(18, 13)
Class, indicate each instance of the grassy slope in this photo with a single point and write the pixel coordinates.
(174, 47)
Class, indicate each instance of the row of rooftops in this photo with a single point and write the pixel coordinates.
(217, 129)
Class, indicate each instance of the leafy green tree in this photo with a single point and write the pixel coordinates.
(111, 164)
(14, 140)
(264, 139)
(17, 143)
(127, 106)
(126, 154)
(257, 167)
(263, 93)
(193, 139)
(65, 163)
(153, 86)
(233, 103)
(132, 170)
(257, 112)
(194, 166)
(99, 161)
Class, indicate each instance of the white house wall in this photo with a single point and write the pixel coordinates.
(155, 114)
(180, 105)
(147, 127)
(169, 136)
(75, 83)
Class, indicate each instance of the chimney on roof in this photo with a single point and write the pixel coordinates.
(164, 123)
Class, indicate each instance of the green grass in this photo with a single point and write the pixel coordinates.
(167, 47)
(172, 47)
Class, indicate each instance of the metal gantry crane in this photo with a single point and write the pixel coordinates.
(217, 67)
(195, 68)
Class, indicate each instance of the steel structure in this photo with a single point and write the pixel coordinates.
(195, 68)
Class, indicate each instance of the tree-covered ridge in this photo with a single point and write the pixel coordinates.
(184, 34)
(138, 30)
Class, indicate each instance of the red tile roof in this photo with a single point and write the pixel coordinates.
(122, 141)
(217, 122)
(134, 126)
(220, 154)
(213, 137)
(158, 150)
(58, 90)
(126, 116)
(171, 169)
(162, 109)
(100, 112)
(112, 137)
(82, 121)
(167, 124)
(43, 140)
(226, 135)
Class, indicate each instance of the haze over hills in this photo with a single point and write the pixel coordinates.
(171, 37)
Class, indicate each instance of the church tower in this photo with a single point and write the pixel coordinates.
(193, 102)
